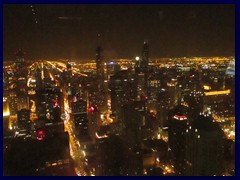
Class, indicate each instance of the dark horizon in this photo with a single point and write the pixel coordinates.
(71, 31)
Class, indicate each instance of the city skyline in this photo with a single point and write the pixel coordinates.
(72, 31)
(119, 90)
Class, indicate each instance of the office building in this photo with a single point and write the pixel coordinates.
(123, 89)
(80, 118)
(178, 124)
(204, 148)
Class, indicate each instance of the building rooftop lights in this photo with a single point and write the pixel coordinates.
(178, 117)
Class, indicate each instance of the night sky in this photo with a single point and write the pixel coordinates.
(72, 31)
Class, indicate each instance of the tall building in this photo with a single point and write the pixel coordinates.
(48, 104)
(178, 124)
(204, 148)
(78, 91)
(99, 62)
(13, 104)
(141, 86)
(195, 102)
(142, 68)
(20, 65)
(79, 115)
(163, 108)
(22, 92)
(24, 123)
(171, 85)
(123, 89)
(48, 157)
(153, 85)
(94, 121)
(110, 158)
(133, 119)
(145, 56)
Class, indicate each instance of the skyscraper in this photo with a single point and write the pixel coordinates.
(13, 103)
(123, 89)
(178, 123)
(94, 121)
(204, 148)
(99, 63)
(48, 104)
(79, 114)
(162, 108)
(142, 69)
(110, 157)
(145, 56)
(133, 118)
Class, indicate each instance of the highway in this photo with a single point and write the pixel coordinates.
(75, 147)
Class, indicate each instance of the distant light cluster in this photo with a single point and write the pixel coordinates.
(34, 14)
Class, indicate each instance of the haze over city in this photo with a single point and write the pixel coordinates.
(71, 31)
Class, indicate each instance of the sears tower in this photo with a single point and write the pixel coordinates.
(145, 57)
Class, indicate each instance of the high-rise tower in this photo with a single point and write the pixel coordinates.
(204, 148)
(99, 62)
(145, 56)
